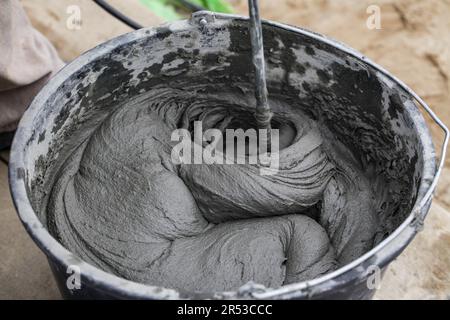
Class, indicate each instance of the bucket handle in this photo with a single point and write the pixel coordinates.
(419, 218)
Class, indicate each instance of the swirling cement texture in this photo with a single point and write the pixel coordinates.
(121, 204)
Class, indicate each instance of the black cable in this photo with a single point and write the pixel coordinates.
(133, 24)
(119, 15)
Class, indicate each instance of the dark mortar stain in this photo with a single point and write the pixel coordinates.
(323, 75)
(41, 136)
(360, 87)
(395, 106)
(163, 33)
(61, 118)
(310, 50)
(306, 86)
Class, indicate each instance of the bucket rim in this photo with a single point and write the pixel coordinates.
(107, 282)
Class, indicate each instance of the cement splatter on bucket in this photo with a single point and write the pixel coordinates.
(352, 96)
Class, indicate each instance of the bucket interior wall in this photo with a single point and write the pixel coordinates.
(366, 111)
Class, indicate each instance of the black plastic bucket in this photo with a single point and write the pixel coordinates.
(308, 66)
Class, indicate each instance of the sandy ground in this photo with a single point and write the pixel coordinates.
(413, 43)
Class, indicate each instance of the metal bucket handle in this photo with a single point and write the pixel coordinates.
(419, 219)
